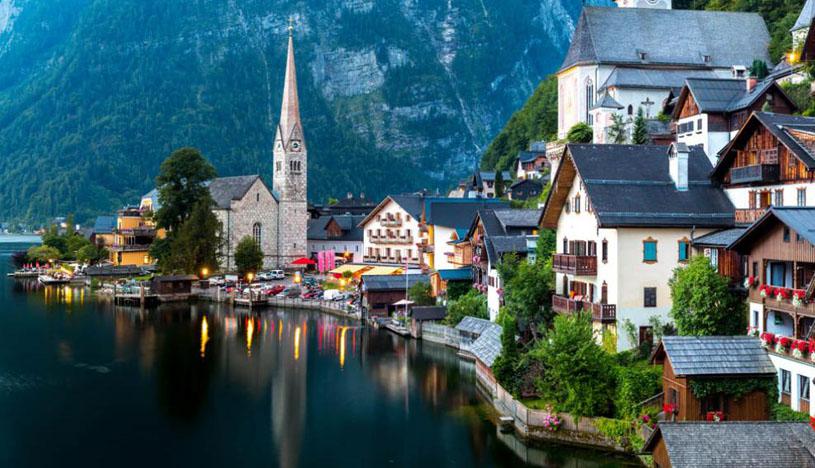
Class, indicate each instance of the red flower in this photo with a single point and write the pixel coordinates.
(784, 341)
(812, 346)
(768, 337)
(800, 345)
(669, 408)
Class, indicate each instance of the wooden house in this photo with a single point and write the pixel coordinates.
(732, 444)
(769, 162)
(380, 292)
(687, 360)
(779, 254)
(173, 287)
(418, 315)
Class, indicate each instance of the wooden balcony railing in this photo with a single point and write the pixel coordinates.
(581, 265)
(599, 312)
(754, 173)
(391, 222)
(749, 215)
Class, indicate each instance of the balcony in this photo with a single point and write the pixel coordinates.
(391, 222)
(749, 216)
(142, 231)
(130, 247)
(765, 173)
(599, 312)
(580, 265)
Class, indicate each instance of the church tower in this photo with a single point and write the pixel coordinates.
(291, 169)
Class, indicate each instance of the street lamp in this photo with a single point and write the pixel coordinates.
(250, 276)
(204, 272)
(297, 278)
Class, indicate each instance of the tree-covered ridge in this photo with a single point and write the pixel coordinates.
(395, 95)
(536, 120)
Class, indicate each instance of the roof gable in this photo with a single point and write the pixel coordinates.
(226, 189)
(410, 203)
(801, 220)
(715, 355)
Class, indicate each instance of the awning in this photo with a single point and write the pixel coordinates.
(354, 269)
(304, 261)
(383, 270)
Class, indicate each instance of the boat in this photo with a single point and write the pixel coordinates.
(52, 280)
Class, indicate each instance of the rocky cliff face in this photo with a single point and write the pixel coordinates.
(396, 94)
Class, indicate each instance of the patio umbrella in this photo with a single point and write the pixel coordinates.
(304, 261)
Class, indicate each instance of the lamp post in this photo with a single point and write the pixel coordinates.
(249, 277)
(204, 272)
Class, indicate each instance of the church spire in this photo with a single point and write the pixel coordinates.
(290, 127)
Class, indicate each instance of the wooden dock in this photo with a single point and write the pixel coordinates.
(398, 329)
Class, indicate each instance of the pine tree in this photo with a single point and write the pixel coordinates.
(616, 133)
(640, 134)
(499, 184)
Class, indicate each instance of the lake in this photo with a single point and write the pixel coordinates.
(83, 383)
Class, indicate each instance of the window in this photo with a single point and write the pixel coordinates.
(802, 196)
(786, 381)
(630, 109)
(605, 251)
(684, 250)
(803, 387)
(604, 293)
(649, 297)
(294, 166)
(646, 334)
(589, 100)
(278, 166)
(568, 207)
(649, 250)
(257, 197)
(565, 245)
(257, 233)
(778, 200)
(699, 126)
(786, 234)
(577, 203)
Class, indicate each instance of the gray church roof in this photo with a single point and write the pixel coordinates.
(606, 102)
(716, 355)
(668, 37)
(226, 189)
(625, 77)
(736, 443)
(805, 18)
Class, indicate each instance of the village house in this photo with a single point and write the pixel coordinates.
(709, 111)
(714, 246)
(732, 444)
(340, 233)
(525, 189)
(381, 292)
(625, 216)
(779, 259)
(482, 184)
(492, 234)
(768, 163)
(440, 280)
(101, 234)
(532, 164)
(353, 205)
(391, 231)
(638, 69)
(133, 234)
(419, 315)
(690, 360)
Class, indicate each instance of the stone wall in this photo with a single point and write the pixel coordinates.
(258, 206)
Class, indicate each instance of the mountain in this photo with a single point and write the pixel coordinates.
(395, 94)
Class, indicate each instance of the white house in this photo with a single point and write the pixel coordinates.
(625, 216)
(391, 231)
(339, 233)
(636, 56)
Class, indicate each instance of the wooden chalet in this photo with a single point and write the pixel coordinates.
(732, 444)
(768, 163)
(689, 359)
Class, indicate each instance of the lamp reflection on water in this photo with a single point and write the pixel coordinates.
(342, 346)
(250, 330)
(297, 343)
(204, 336)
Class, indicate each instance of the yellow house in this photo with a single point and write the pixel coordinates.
(133, 235)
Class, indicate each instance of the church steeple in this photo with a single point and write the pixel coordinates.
(290, 130)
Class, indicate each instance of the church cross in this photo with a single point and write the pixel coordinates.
(647, 103)
(291, 25)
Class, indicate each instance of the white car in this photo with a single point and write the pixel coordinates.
(276, 275)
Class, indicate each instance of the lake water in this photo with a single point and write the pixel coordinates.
(83, 383)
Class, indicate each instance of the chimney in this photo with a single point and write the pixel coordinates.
(752, 81)
(678, 165)
(349, 195)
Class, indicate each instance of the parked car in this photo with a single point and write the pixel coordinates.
(290, 292)
(277, 275)
(275, 290)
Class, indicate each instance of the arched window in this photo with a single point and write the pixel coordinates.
(257, 233)
(589, 99)
(604, 293)
(630, 109)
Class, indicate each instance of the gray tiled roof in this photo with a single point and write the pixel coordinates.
(104, 224)
(781, 126)
(391, 282)
(348, 223)
(497, 246)
(805, 18)
(412, 203)
(624, 77)
(720, 238)
(487, 346)
(529, 156)
(630, 185)
(725, 95)
(458, 212)
(521, 218)
(716, 355)
(226, 189)
(487, 175)
(727, 38)
(607, 102)
(736, 444)
(799, 219)
(473, 325)
(422, 313)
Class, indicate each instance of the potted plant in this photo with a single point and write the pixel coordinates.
(551, 422)
(781, 294)
(749, 282)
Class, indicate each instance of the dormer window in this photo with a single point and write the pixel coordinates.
(643, 56)
(706, 58)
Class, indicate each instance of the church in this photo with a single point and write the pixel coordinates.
(276, 218)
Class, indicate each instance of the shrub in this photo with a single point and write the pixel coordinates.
(473, 304)
(636, 384)
(785, 413)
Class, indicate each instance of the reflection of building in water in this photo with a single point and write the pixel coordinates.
(288, 410)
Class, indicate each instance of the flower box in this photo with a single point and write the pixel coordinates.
(765, 290)
(767, 339)
(799, 347)
(798, 296)
(782, 344)
(714, 416)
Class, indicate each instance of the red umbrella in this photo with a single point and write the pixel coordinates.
(304, 261)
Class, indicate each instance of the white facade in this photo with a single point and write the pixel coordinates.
(390, 236)
(439, 259)
(493, 298)
(740, 196)
(623, 270)
(697, 133)
(351, 250)
(797, 368)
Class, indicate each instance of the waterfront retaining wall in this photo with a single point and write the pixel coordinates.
(442, 334)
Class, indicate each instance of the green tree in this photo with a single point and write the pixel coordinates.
(91, 254)
(248, 256)
(43, 253)
(616, 133)
(580, 132)
(161, 251)
(527, 289)
(181, 184)
(53, 239)
(507, 366)
(639, 136)
(579, 374)
(73, 244)
(456, 289)
(472, 304)
(759, 69)
(702, 301)
(421, 294)
(196, 244)
(499, 184)
(70, 225)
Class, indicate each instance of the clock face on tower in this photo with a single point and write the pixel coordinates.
(279, 145)
(295, 145)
